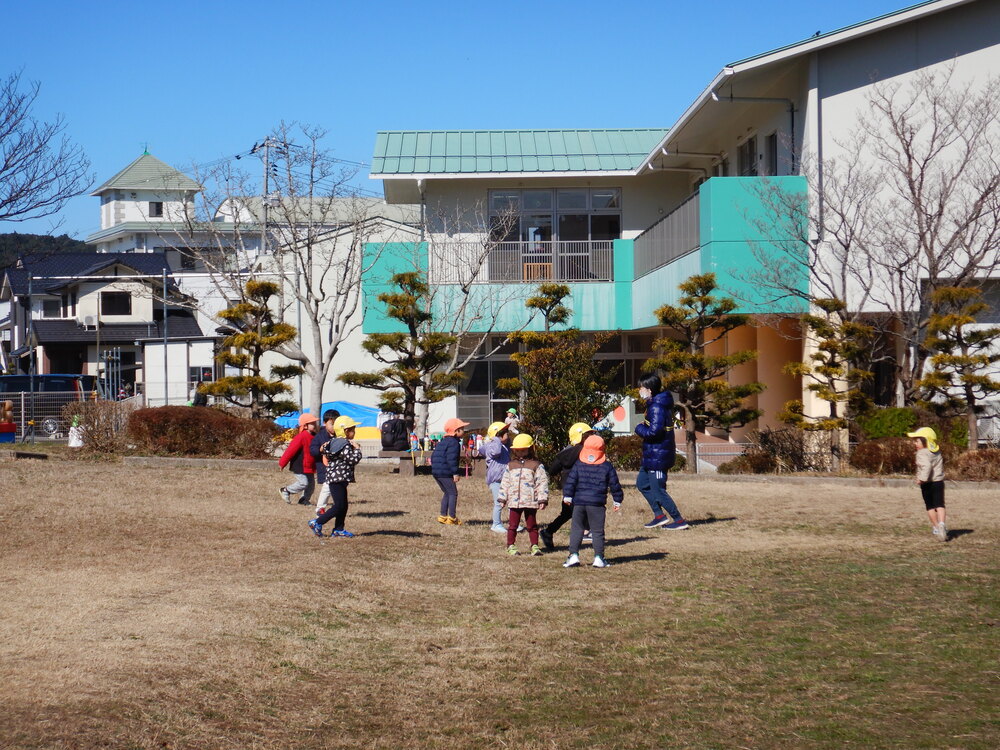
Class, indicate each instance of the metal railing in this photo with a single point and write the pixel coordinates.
(676, 234)
(522, 262)
(40, 413)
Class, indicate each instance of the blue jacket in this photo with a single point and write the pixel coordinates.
(589, 484)
(322, 436)
(444, 458)
(497, 457)
(658, 448)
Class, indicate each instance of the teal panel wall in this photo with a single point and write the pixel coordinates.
(384, 260)
(739, 234)
(660, 288)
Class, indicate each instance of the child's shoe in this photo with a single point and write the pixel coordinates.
(442, 519)
(499, 528)
(451, 520)
(657, 521)
(573, 561)
(547, 539)
(677, 525)
(317, 529)
(535, 550)
(936, 529)
(321, 511)
(944, 533)
(600, 563)
(285, 495)
(342, 532)
(512, 551)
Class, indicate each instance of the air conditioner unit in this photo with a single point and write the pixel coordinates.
(90, 321)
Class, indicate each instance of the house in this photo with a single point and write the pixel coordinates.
(622, 216)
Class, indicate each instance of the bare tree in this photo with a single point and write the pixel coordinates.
(910, 206)
(40, 168)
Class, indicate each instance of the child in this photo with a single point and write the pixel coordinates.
(342, 454)
(323, 436)
(930, 477)
(587, 487)
(564, 461)
(524, 488)
(444, 469)
(513, 421)
(497, 454)
(300, 461)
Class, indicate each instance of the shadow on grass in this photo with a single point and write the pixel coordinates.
(396, 532)
(710, 519)
(956, 533)
(383, 514)
(622, 542)
(648, 557)
(477, 522)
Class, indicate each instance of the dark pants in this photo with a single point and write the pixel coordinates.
(514, 520)
(449, 496)
(592, 516)
(338, 509)
(565, 514)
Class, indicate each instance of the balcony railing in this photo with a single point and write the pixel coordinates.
(522, 262)
(676, 234)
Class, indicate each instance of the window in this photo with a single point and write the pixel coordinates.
(564, 214)
(187, 259)
(771, 154)
(51, 308)
(156, 209)
(116, 303)
(747, 157)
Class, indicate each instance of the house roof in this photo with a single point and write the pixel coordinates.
(148, 173)
(45, 268)
(412, 153)
(180, 325)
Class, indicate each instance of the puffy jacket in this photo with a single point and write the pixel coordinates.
(497, 457)
(589, 484)
(444, 457)
(297, 456)
(658, 447)
(322, 436)
(524, 485)
(564, 460)
(342, 458)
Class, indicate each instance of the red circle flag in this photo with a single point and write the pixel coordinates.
(619, 414)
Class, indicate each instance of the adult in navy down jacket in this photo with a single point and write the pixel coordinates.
(658, 454)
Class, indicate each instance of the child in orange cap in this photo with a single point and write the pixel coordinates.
(444, 469)
(930, 477)
(587, 487)
(300, 461)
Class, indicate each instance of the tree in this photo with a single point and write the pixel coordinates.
(911, 205)
(699, 320)
(413, 374)
(254, 333)
(832, 373)
(40, 168)
(963, 356)
(559, 382)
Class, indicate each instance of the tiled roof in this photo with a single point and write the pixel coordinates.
(179, 326)
(404, 152)
(148, 173)
(78, 264)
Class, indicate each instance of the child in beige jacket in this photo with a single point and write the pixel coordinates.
(930, 477)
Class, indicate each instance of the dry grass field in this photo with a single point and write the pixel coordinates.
(186, 608)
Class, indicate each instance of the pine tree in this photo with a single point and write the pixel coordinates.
(255, 333)
(698, 379)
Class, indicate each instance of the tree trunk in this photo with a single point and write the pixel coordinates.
(691, 442)
(970, 413)
(315, 393)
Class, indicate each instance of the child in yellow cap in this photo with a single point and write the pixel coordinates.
(930, 477)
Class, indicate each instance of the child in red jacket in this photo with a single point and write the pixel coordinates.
(300, 461)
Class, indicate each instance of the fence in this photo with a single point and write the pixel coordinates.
(531, 262)
(40, 415)
(676, 234)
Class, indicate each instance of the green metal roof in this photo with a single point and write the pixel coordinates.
(148, 173)
(405, 152)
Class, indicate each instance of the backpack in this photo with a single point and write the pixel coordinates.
(395, 435)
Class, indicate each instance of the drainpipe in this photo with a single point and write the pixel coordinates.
(421, 186)
(765, 99)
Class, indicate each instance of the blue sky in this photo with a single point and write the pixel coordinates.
(199, 81)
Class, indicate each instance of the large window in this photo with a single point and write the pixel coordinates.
(116, 303)
(156, 209)
(747, 157)
(564, 214)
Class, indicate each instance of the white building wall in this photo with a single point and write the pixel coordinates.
(181, 355)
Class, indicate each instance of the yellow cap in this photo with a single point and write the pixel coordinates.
(495, 429)
(342, 424)
(522, 441)
(927, 434)
(577, 431)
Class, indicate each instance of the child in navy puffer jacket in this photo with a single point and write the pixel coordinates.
(445, 469)
(587, 487)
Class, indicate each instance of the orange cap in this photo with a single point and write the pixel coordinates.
(453, 424)
(305, 419)
(593, 450)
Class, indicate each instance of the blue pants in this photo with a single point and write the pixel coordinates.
(449, 495)
(653, 486)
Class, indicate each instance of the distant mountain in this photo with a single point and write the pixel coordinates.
(14, 244)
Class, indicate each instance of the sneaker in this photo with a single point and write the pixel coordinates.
(316, 527)
(677, 525)
(587, 538)
(547, 539)
(442, 519)
(285, 495)
(944, 533)
(600, 563)
(573, 561)
(535, 550)
(657, 521)
(320, 511)
(342, 532)
(936, 529)
(452, 521)
(499, 528)
(512, 550)
(303, 501)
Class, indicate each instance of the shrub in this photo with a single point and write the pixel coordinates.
(976, 466)
(101, 423)
(888, 422)
(786, 448)
(753, 460)
(200, 431)
(625, 452)
(892, 455)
